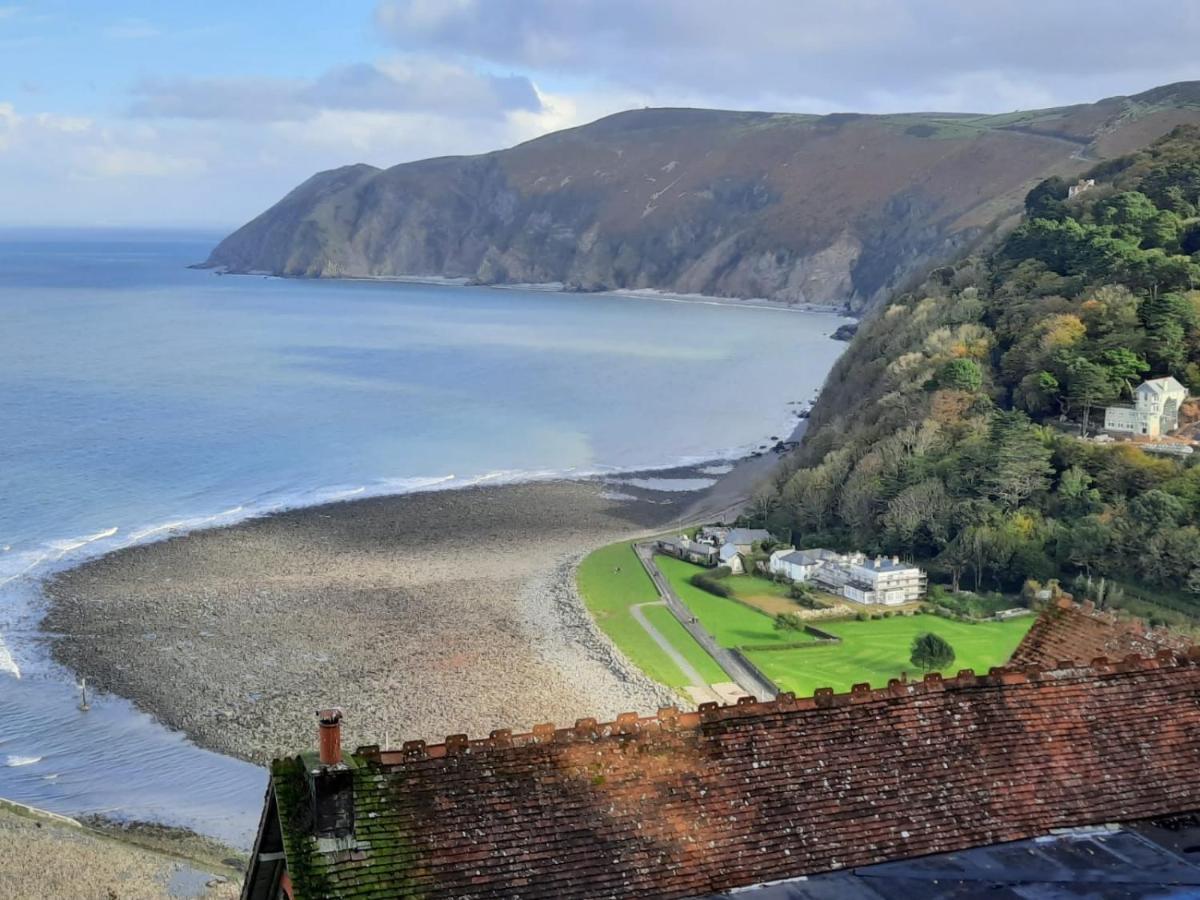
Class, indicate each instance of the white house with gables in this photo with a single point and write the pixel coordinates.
(853, 575)
(1154, 411)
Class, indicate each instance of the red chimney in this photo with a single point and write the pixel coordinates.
(329, 736)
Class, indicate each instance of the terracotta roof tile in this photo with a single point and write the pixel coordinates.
(685, 804)
(1066, 630)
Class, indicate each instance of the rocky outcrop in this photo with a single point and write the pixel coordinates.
(830, 210)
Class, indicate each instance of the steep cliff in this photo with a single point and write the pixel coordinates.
(832, 209)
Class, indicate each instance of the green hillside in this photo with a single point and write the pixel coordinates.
(951, 429)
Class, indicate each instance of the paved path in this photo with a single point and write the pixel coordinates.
(688, 670)
(751, 680)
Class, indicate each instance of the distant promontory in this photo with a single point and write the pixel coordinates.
(837, 209)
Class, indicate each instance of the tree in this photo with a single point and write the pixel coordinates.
(962, 374)
(930, 651)
(1018, 463)
(1124, 365)
(1089, 384)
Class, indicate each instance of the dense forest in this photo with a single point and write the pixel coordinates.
(955, 428)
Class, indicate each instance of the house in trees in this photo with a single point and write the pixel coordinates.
(1155, 409)
(1083, 184)
(852, 575)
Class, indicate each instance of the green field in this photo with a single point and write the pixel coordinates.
(877, 650)
(611, 580)
(732, 624)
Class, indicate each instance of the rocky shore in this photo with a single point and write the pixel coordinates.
(422, 615)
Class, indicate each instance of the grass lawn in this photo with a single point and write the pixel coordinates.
(610, 581)
(877, 650)
(668, 626)
(732, 624)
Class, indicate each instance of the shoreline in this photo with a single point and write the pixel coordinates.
(369, 571)
(558, 287)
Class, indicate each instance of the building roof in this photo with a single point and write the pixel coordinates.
(746, 535)
(1107, 861)
(689, 804)
(809, 557)
(884, 564)
(1162, 385)
(1065, 630)
(689, 546)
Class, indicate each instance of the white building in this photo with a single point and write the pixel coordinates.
(1155, 409)
(798, 565)
(852, 575)
(739, 542)
(1080, 186)
(886, 581)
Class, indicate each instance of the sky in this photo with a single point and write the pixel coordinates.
(154, 114)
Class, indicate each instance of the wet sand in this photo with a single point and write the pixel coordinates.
(421, 615)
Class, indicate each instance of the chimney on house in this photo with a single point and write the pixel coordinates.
(895, 560)
(329, 736)
(877, 561)
(331, 780)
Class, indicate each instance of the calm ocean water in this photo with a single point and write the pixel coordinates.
(139, 398)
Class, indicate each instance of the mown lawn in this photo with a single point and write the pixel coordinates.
(668, 626)
(877, 650)
(732, 624)
(610, 581)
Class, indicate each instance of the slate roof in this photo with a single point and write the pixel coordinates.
(688, 804)
(1066, 630)
(746, 535)
(809, 557)
(1092, 863)
(1161, 385)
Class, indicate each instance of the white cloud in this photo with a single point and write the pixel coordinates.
(820, 55)
(404, 84)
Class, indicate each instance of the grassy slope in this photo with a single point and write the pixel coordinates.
(871, 651)
(611, 580)
(732, 624)
(875, 651)
(664, 620)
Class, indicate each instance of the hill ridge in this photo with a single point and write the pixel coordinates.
(834, 209)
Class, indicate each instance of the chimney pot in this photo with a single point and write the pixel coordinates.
(329, 736)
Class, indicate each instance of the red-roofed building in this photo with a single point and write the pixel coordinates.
(694, 804)
(1066, 630)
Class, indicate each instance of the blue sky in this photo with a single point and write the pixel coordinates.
(171, 114)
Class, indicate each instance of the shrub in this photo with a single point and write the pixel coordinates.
(789, 622)
(705, 583)
(720, 572)
(862, 617)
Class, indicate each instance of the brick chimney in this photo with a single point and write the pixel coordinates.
(331, 782)
(329, 736)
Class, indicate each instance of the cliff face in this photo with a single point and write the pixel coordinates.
(833, 210)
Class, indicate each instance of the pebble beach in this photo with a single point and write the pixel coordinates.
(420, 615)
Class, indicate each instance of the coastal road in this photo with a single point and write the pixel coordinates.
(750, 680)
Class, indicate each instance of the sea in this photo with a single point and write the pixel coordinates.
(141, 398)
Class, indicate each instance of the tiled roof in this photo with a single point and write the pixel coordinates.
(687, 804)
(1065, 630)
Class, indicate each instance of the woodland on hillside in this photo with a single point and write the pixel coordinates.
(950, 431)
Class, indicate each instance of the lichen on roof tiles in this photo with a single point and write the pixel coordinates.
(685, 804)
(1065, 630)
